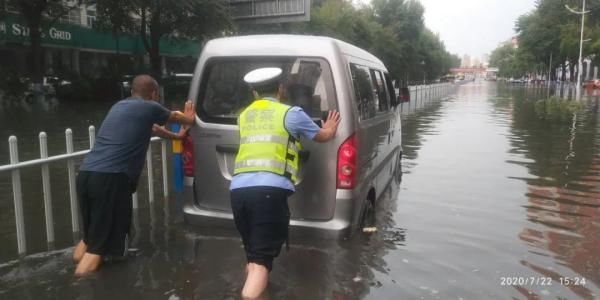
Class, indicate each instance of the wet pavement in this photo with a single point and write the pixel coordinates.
(495, 203)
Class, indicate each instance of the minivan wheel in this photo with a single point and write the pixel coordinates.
(368, 215)
(398, 169)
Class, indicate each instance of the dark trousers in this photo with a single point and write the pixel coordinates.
(262, 218)
(106, 205)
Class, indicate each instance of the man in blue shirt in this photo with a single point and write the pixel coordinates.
(110, 172)
(264, 173)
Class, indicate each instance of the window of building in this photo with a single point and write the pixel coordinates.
(6, 6)
(91, 16)
(72, 16)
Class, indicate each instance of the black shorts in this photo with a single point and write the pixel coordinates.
(262, 217)
(105, 204)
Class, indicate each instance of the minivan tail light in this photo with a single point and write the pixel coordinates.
(346, 164)
(188, 156)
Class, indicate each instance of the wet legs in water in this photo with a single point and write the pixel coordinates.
(86, 262)
(256, 281)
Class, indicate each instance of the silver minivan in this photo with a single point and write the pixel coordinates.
(339, 181)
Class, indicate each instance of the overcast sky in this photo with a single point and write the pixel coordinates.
(473, 27)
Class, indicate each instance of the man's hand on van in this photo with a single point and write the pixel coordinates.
(187, 117)
(328, 127)
(189, 112)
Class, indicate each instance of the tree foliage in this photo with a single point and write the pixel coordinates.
(550, 30)
(393, 30)
(155, 19)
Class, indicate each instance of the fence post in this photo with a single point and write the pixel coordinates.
(92, 134)
(150, 174)
(47, 189)
(416, 95)
(163, 152)
(72, 191)
(134, 197)
(17, 195)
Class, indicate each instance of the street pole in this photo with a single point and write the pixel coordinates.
(580, 64)
(549, 74)
(580, 67)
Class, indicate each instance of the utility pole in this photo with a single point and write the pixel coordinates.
(580, 65)
(549, 74)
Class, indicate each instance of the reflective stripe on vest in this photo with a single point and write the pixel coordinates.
(265, 144)
(263, 138)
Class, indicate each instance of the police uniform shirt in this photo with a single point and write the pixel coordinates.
(297, 123)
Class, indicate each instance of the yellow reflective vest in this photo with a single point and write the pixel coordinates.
(265, 144)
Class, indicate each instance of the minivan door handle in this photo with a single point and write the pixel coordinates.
(228, 148)
(303, 155)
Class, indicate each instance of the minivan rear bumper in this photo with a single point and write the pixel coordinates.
(337, 227)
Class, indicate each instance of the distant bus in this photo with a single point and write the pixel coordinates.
(491, 74)
(448, 78)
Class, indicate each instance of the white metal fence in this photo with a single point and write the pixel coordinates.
(16, 166)
(422, 95)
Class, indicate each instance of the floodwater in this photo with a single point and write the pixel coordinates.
(495, 202)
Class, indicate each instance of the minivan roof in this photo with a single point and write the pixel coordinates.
(284, 45)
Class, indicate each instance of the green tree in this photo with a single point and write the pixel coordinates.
(120, 20)
(155, 19)
(392, 30)
(504, 58)
(406, 20)
(551, 30)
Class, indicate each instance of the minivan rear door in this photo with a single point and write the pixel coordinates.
(223, 95)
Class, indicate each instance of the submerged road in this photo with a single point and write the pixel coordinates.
(498, 200)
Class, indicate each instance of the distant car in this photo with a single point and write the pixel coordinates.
(592, 84)
(517, 80)
(50, 84)
(126, 81)
(178, 79)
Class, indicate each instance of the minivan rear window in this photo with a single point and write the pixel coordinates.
(223, 94)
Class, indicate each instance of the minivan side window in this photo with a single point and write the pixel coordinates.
(382, 93)
(391, 91)
(308, 83)
(366, 102)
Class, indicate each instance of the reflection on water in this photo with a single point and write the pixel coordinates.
(489, 191)
(563, 199)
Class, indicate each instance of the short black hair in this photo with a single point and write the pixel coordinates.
(270, 88)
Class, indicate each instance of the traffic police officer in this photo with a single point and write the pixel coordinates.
(265, 172)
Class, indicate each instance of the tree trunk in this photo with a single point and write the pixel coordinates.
(155, 34)
(153, 45)
(35, 39)
(32, 12)
(155, 55)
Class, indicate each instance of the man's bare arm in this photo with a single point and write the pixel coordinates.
(187, 117)
(328, 128)
(166, 134)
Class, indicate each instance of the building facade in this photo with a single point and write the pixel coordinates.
(73, 45)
